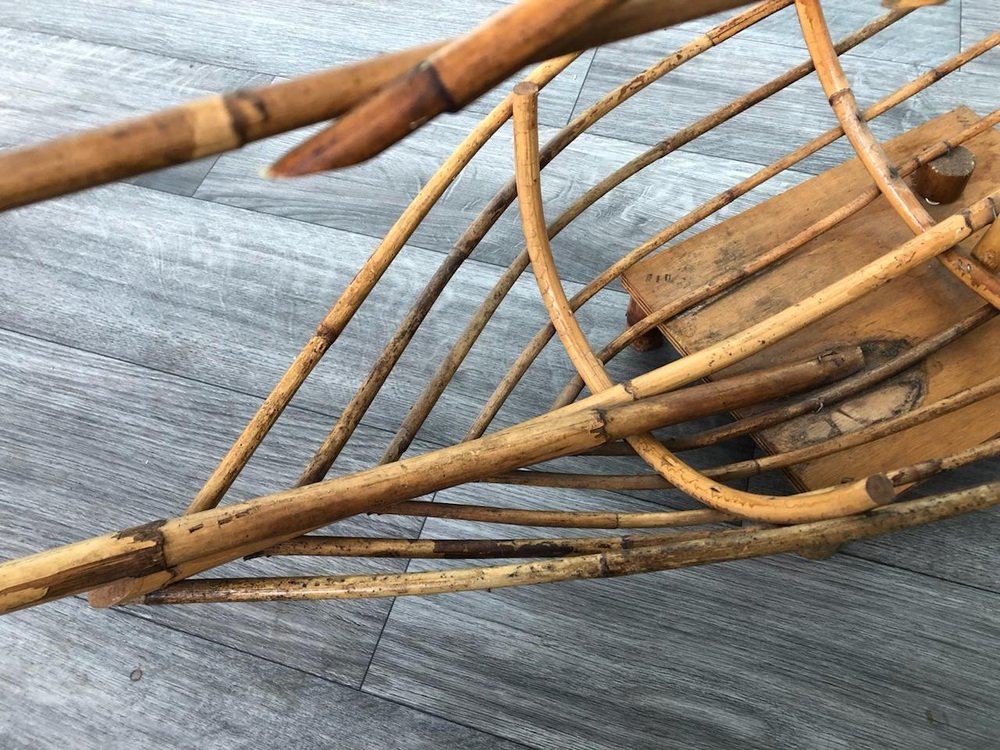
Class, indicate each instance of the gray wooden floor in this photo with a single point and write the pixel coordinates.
(141, 324)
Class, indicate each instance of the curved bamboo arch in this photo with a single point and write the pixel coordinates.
(855, 497)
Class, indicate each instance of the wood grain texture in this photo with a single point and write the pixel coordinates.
(53, 86)
(776, 653)
(286, 39)
(112, 682)
(785, 120)
(89, 443)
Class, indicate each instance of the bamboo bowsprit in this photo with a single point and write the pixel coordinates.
(869, 290)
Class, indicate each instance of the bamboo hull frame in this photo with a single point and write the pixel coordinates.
(150, 563)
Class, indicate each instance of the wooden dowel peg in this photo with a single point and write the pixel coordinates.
(944, 179)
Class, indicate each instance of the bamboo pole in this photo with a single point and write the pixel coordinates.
(535, 346)
(357, 291)
(722, 546)
(728, 279)
(467, 549)
(217, 124)
(465, 68)
(352, 414)
(902, 198)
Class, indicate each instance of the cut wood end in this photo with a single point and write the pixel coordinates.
(119, 592)
(880, 489)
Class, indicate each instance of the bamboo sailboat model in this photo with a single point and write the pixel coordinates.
(868, 253)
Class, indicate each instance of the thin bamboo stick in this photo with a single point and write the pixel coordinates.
(352, 414)
(729, 279)
(752, 467)
(220, 123)
(817, 37)
(535, 346)
(918, 472)
(357, 291)
(723, 546)
(467, 549)
(561, 519)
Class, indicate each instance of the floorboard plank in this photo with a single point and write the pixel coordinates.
(54, 86)
(89, 445)
(107, 681)
(776, 653)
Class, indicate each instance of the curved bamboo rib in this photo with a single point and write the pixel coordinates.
(926, 469)
(357, 291)
(730, 279)
(339, 435)
(817, 37)
(535, 346)
(837, 501)
(722, 546)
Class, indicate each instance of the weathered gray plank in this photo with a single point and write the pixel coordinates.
(773, 127)
(53, 86)
(110, 681)
(963, 550)
(979, 18)
(777, 653)
(227, 296)
(276, 38)
(89, 445)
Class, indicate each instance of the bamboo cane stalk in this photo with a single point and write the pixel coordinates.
(752, 467)
(467, 549)
(828, 396)
(562, 519)
(719, 547)
(728, 279)
(817, 37)
(352, 414)
(465, 68)
(535, 346)
(357, 291)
